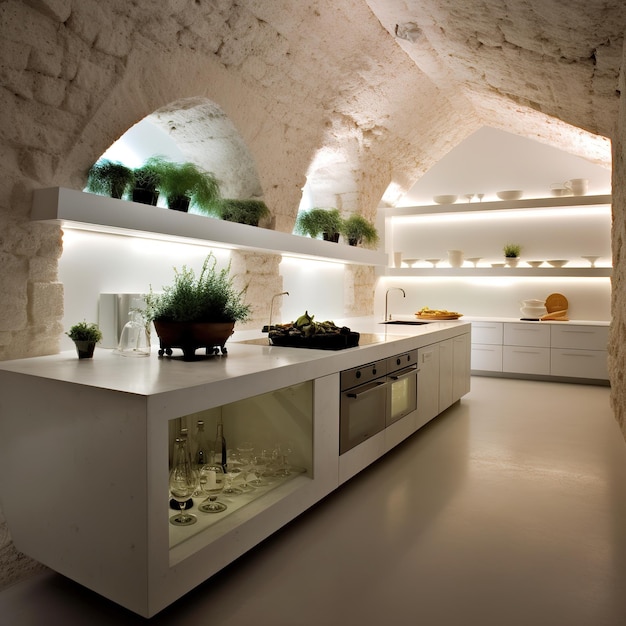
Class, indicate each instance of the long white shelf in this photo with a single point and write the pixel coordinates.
(535, 272)
(86, 211)
(500, 205)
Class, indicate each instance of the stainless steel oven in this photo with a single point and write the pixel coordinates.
(376, 395)
(363, 406)
(402, 385)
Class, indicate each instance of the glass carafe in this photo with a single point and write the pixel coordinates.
(135, 338)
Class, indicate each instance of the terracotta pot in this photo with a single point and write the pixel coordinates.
(189, 336)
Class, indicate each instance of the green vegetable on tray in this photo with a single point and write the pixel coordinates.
(305, 332)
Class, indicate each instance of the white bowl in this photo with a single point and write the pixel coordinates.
(557, 262)
(445, 199)
(512, 194)
(534, 303)
(433, 262)
(534, 263)
(533, 311)
(498, 264)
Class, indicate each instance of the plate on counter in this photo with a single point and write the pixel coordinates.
(441, 317)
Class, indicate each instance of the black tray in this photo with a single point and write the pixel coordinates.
(328, 341)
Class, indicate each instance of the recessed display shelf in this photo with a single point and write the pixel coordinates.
(86, 211)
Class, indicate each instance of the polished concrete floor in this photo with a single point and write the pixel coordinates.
(508, 510)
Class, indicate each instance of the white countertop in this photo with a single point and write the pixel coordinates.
(245, 371)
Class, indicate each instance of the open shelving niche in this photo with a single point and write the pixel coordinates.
(85, 211)
(520, 271)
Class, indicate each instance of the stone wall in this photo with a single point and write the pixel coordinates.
(77, 74)
(617, 337)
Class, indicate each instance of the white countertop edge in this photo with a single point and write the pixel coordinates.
(246, 370)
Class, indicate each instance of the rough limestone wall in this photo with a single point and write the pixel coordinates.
(297, 80)
(617, 337)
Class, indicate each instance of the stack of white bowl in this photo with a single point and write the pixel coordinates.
(533, 309)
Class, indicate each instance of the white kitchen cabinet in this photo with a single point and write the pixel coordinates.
(427, 384)
(487, 357)
(526, 360)
(552, 350)
(461, 366)
(579, 351)
(529, 334)
(489, 333)
(446, 374)
(454, 370)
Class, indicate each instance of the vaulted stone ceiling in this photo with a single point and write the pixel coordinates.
(521, 64)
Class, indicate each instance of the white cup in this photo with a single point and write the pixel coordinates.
(455, 258)
(578, 186)
(397, 259)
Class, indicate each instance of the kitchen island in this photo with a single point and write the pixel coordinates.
(85, 448)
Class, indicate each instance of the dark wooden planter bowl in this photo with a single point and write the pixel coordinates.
(189, 336)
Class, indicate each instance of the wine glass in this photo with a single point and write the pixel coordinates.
(285, 448)
(212, 484)
(257, 465)
(245, 450)
(182, 483)
(232, 471)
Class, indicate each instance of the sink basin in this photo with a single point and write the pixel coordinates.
(406, 322)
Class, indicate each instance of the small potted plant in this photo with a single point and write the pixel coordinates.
(240, 211)
(109, 178)
(197, 312)
(146, 183)
(511, 254)
(183, 183)
(356, 229)
(318, 221)
(85, 337)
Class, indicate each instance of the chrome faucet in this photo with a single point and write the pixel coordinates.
(387, 318)
(276, 295)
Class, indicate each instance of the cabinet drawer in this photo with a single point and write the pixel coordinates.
(526, 360)
(487, 357)
(580, 337)
(579, 363)
(487, 332)
(527, 335)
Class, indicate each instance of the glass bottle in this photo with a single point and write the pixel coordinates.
(219, 447)
(202, 448)
(182, 449)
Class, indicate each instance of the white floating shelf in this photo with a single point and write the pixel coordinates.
(535, 272)
(91, 212)
(500, 205)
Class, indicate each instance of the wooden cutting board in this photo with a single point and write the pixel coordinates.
(556, 302)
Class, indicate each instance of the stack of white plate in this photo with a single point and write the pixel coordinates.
(533, 309)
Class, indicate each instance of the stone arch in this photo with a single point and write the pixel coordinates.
(186, 83)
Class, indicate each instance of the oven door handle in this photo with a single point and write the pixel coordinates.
(365, 389)
(403, 373)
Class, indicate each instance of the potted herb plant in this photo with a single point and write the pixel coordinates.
(85, 337)
(318, 221)
(109, 178)
(356, 229)
(240, 211)
(511, 254)
(146, 183)
(197, 312)
(182, 183)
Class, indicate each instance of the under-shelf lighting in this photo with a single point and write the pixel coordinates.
(504, 214)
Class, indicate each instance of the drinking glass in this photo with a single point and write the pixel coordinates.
(212, 484)
(182, 482)
(233, 471)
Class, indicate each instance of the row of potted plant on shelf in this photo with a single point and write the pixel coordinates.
(329, 224)
(181, 184)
